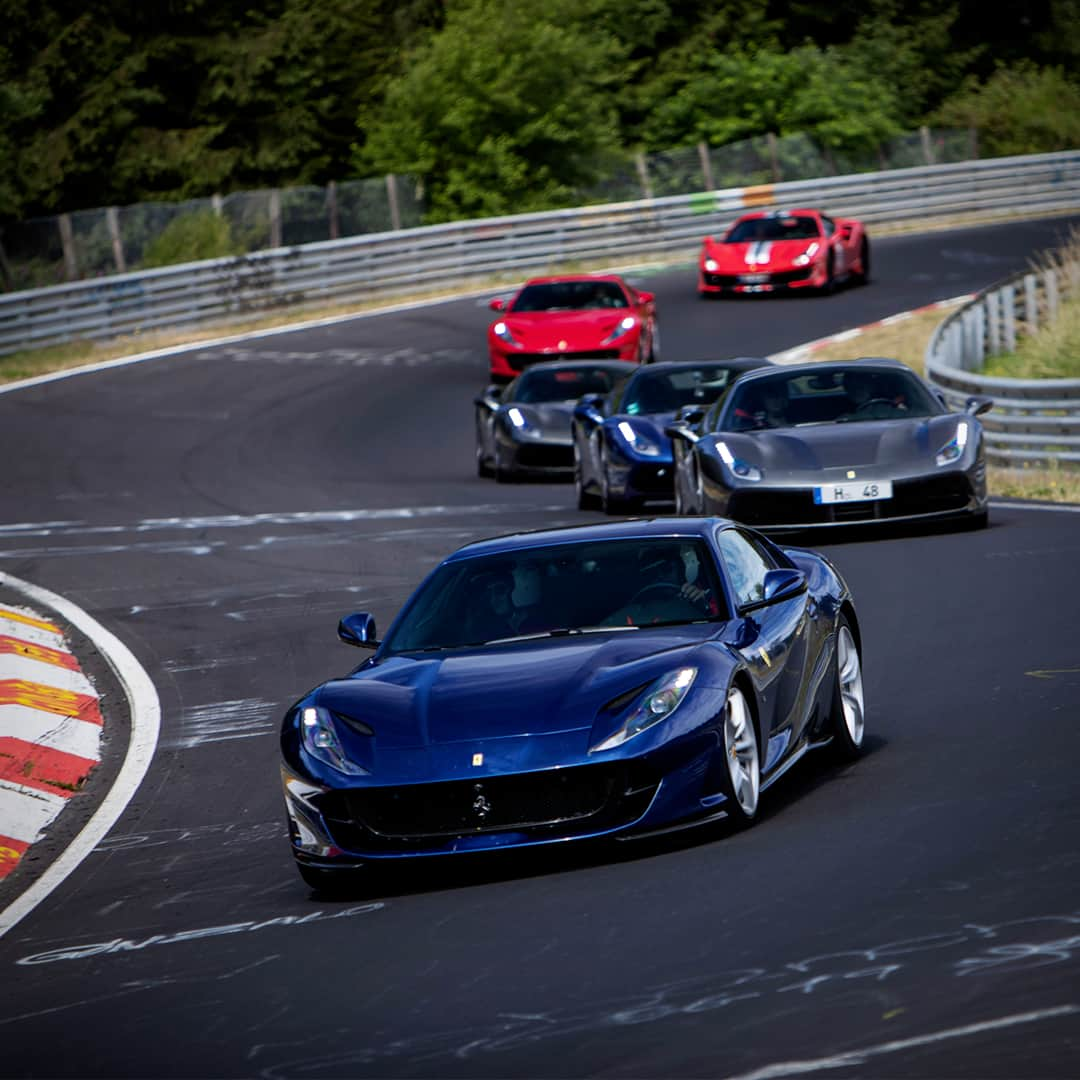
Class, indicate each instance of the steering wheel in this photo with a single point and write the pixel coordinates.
(657, 587)
(871, 402)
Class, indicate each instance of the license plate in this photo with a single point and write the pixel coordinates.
(753, 279)
(857, 491)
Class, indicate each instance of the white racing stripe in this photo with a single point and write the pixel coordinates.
(145, 724)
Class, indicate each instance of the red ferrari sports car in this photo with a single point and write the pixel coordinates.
(572, 317)
(776, 250)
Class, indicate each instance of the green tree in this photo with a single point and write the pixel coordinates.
(1019, 110)
(503, 111)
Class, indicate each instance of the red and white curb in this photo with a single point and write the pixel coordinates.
(804, 352)
(50, 730)
(67, 718)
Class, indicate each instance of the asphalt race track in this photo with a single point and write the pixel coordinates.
(914, 915)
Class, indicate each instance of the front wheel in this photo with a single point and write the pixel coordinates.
(742, 758)
(848, 720)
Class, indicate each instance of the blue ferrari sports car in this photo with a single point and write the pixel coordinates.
(613, 680)
(622, 455)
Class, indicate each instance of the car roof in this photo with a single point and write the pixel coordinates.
(554, 279)
(631, 529)
(740, 363)
(805, 211)
(881, 363)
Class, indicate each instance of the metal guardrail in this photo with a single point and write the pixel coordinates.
(377, 265)
(1034, 421)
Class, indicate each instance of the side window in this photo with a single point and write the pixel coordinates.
(828, 225)
(744, 564)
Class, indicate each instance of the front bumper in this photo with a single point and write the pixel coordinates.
(507, 363)
(760, 281)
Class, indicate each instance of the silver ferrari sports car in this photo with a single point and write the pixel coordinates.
(827, 444)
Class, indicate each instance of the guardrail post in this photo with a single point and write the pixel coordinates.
(993, 323)
(927, 145)
(706, 166)
(333, 226)
(643, 175)
(275, 218)
(1050, 289)
(113, 218)
(392, 199)
(217, 204)
(67, 241)
(1008, 297)
(1031, 304)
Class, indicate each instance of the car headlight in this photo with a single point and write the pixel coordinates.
(712, 265)
(807, 256)
(624, 327)
(517, 418)
(639, 442)
(742, 469)
(502, 331)
(657, 703)
(320, 740)
(952, 450)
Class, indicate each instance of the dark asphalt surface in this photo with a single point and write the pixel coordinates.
(916, 914)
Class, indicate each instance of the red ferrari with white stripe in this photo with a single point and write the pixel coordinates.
(776, 250)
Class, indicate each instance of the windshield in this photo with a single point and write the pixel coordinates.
(570, 296)
(840, 395)
(773, 228)
(562, 589)
(536, 385)
(668, 391)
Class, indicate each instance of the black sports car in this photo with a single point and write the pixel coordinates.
(621, 455)
(826, 444)
(523, 428)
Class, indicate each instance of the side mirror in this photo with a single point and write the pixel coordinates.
(491, 396)
(498, 304)
(646, 297)
(978, 405)
(590, 402)
(782, 584)
(680, 429)
(707, 240)
(690, 414)
(358, 629)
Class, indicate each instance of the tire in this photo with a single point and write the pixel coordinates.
(503, 473)
(742, 758)
(609, 503)
(848, 719)
(654, 346)
(863, 276)
(586, 500)
(830, 279)
(483, 469)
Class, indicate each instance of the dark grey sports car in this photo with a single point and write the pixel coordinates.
(523, 428)
(826, 444)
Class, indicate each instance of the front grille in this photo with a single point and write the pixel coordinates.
(927, 495)
(539, 456)
(520, 361)
(780, 277)
(579, 799)
(653, 480)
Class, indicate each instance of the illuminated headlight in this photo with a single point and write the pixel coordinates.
(742, 469)
(712, 265)
(657, 703)
(517, 418)
(625, 326)
(638, 442)
(320, 739)
(953, 449)
(502, 331)
(807, 256)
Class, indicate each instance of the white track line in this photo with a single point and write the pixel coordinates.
(145, 725)
(852, 1058)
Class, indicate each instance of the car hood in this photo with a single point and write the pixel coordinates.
(530, 688)
(550, 417)
(578, 329)
(841, 445)
(760, 255)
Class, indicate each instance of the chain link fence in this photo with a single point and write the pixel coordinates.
(93, 243)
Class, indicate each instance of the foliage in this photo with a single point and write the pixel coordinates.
(202, 235)
(1018, 110)
(503, 111)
